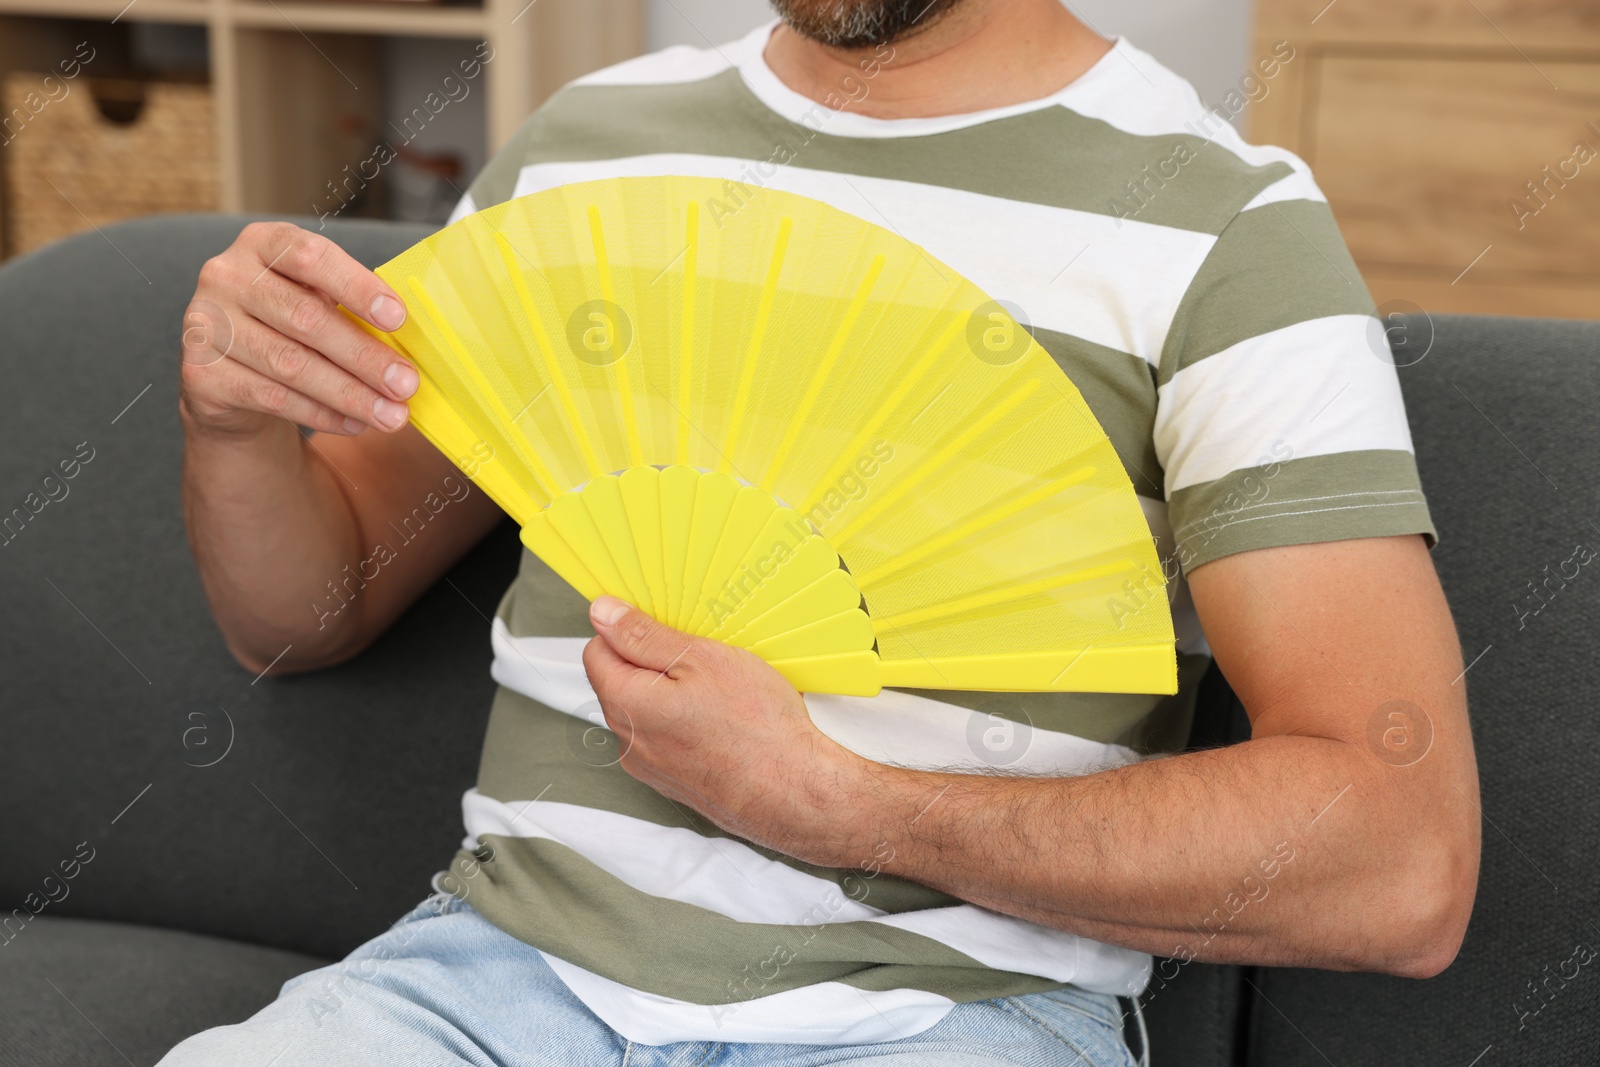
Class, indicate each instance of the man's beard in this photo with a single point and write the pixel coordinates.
(859, 23)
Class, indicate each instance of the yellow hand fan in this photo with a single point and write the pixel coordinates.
(786, 428)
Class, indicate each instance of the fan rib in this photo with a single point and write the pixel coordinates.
(829, 594)
(990, 597)
(999, 513)
(641, 497)
(542, 477)
(608, 512)
(691, 259)
(844, 632)
(452, 437)
(1140, 668)
(602, 266)
(445, 429)
(849, 673)
(679, 487)
(767, 576)
(713, 503)
(758, 330)
(547, 352)
(572, 521)
(823, 371)
(545, 541)
(745, 524)
(906, 382)
(925, 469)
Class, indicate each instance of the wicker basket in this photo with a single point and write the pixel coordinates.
(70, 168)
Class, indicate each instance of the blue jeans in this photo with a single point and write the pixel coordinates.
(443, 986)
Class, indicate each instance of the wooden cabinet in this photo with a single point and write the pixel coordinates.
(1458, 142)
(297, 85)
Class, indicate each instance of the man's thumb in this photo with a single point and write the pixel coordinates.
(635, 636)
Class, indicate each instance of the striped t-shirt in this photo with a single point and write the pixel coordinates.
(1196, 291)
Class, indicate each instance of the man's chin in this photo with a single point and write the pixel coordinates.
(854, 24)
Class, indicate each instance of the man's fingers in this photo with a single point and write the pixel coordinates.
(316, 323)
(316, 262)
(638, 638)
(308, 372)
(250, 390)
(265, 335)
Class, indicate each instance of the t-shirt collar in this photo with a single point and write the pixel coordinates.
(747, 55)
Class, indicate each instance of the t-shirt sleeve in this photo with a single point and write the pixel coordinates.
(1279, 417)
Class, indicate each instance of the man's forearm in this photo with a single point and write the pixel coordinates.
(1284, 850)
(1344, 835)
(269, 526)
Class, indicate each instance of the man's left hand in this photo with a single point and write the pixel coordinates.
(715, 727)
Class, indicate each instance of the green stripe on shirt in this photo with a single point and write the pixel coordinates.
(1274, 266)
(1299, 501)
(1052, 157)
(545, 894)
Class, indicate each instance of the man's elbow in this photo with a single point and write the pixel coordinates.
(1439, 890)
(248, 660)
(290, 660)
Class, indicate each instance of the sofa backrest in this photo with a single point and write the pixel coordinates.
(305, 812)
(1502, 415)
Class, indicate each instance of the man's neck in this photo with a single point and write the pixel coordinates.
(982, 54)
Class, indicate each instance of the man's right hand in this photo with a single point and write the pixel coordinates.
(263, 338)
(285, 528)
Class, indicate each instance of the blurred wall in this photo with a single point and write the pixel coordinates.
(413, 68)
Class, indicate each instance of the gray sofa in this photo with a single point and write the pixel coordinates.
(178, 839)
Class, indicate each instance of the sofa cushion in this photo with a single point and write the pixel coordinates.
(85, 993)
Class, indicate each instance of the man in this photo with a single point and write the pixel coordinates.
(732, 880)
